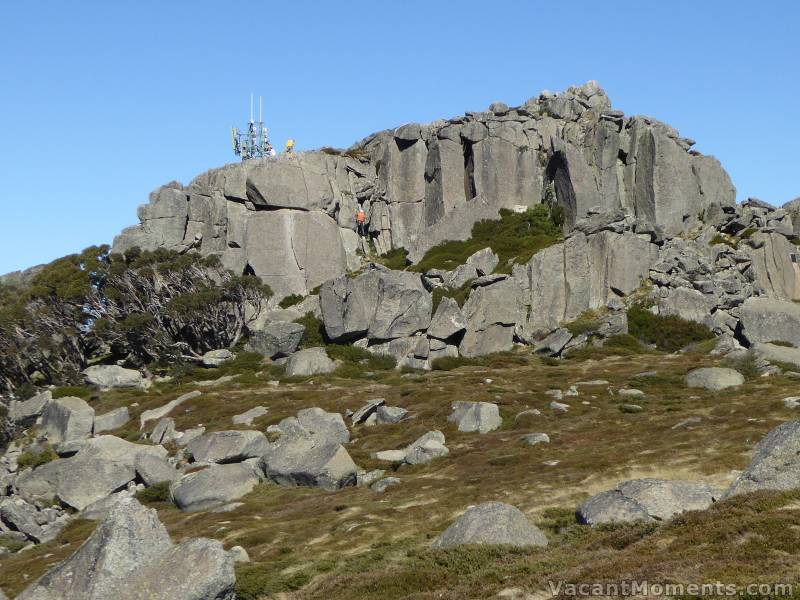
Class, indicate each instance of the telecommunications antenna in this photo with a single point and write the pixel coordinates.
(254, 142)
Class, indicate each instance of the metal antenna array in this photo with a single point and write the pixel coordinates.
(253, 143)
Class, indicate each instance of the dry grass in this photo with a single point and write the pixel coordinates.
(357, 544)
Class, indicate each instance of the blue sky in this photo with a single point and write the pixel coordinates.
(101, 102)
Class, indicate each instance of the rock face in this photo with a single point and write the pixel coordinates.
(492, 523)
(130, 555)
(775, 464)
(111, 420)
(646, 500)
(25, 413)
(714, 378)
(584, 273)
(770, 320)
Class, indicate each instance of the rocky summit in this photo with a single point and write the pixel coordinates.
(557, 349)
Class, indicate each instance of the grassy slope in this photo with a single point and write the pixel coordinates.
(358, 544)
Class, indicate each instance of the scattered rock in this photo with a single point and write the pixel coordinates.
(791, 402)
(775, 464)
(559, 406)
(426, 448)
(366, 411)
(108, 377)
(67, 419)
(25, 413)
(214, 358)
(364, 478)
(714, 378)
(163, 411)
(384, 484)
(214, 486)
(309, 461)
(111, 420)
(154, 469)
(630, 393)
(247, 417)
(535, 438)
(277, 339)
(492, 523)
(646, 500)
(239, 554)
(228, 446)
(482, 417)
(390, 414)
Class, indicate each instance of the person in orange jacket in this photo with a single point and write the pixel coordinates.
(361, 221)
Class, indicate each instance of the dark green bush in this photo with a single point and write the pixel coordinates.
(291, 300)
(460, 294)
(514, 237)
(448, 363)
(10, 543)
(314, 335)
(363, 360)
(158, 492)
(669, 333)
(76, 391)
(395, 259)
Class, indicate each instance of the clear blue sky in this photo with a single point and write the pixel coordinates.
(101, 102)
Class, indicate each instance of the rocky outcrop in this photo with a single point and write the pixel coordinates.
(482, 417)
(214, 486)
(291, 219)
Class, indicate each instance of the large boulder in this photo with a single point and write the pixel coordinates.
(482, 417)
(108, 377)
(130, 556)
(714, 378)
(770, 320)
(227, 446)
(777, 353)
(491, 523)
(380, 304)
(195, 569)
(275, 340)
(311, 361)
(646, 500)
(130, 537)
(311, 461)
(775, 464)
(67, 419)
(214, 486)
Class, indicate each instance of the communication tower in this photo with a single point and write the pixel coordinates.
(253, 143)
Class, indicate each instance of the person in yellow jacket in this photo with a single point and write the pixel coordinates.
(289, 146)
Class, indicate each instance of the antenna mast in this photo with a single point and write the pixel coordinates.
(254, 143)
